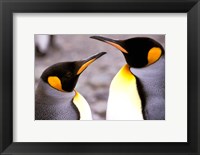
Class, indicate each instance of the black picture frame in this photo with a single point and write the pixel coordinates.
(8, 7)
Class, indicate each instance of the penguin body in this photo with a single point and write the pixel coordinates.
(151, 88)
(145, 97)
(54, 105)
(55, 97)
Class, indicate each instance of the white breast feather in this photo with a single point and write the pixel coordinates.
(124, 102)
(83, 107)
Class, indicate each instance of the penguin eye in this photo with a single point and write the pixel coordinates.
(68, 74)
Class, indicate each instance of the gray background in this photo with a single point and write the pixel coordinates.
(94, 82)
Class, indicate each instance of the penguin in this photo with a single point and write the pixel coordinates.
(55, 96)
(137, 92)
(43, 43)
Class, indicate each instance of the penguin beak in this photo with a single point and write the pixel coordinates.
(87, 62)
(116, 43)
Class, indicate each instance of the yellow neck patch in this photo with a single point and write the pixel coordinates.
(55, 82)
(153, 55)
(117, 46)
(84, 66)
(124, 78)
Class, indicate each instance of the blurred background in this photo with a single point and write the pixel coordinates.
(94, 82)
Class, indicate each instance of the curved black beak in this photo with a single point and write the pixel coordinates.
(115, 43)
(104, 39)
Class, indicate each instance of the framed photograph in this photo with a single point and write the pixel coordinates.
(99, 77)
(52, 51)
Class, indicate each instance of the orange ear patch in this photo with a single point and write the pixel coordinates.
(55, 82)
(153, 55)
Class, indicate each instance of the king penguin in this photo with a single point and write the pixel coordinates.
(55, 97)
(137, 92)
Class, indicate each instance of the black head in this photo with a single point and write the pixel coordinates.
(63, 76)
(138, 52)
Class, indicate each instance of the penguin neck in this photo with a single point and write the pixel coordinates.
(151, 78)
(150, 72)
(47, 94)
(151, 81)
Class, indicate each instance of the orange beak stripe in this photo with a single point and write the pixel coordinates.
(84, 66)
(117, 46)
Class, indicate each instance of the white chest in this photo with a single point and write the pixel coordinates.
(124, 102)
(83, 107)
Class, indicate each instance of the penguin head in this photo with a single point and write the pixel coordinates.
(139, 52)
(63, 76)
